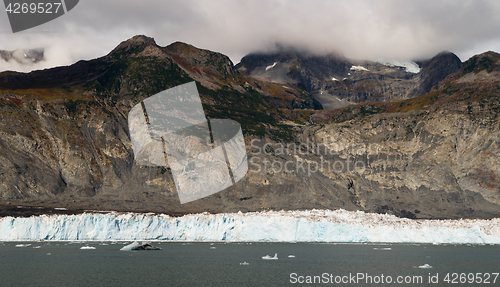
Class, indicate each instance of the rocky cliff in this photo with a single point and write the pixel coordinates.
(64, 138)
(337, 82)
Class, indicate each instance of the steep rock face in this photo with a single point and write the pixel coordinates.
(291, 66)
(371, 82)
(425, 159)
(337, 82)
(65, 143)
(435, 70)
(443, 141)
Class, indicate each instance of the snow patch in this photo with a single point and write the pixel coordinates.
(359, 68)
(271, 66)
(409, 66)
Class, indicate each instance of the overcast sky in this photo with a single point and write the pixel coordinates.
(361, 29)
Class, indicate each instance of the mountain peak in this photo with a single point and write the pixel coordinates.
(489, 61)
(135, 44)
(139, 40)
(182, 48)
(435, 70)
(189, 57)
(490, 54)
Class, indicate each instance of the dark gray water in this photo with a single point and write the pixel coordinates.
(200, 264)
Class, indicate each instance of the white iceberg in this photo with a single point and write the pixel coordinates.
(130, 247)
(87, 248)
(23, 245)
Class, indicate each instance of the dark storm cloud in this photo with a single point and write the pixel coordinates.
(358, 28)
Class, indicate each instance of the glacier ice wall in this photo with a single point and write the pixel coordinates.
(280, 226)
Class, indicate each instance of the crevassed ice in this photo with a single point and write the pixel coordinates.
(409, 66)
(278, 226)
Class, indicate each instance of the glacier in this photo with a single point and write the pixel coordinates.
(409, 66)
(268, 226)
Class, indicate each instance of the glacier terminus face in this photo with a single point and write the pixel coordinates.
(271, 226)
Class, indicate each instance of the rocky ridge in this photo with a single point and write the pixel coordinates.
(337, 82)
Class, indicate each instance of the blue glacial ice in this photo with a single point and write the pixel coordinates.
(270, 226)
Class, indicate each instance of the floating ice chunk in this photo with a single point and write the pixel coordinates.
(271, 66)
(268, 257)
(130, 246)
(23, 245)
(139, 246)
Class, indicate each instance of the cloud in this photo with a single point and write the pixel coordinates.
(364, 29)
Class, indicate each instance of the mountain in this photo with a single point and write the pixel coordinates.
(72, 122)
(23, 56)
(435, 70)
(337, 82)
(64, 138)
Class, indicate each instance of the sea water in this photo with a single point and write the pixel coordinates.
(219, 264)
